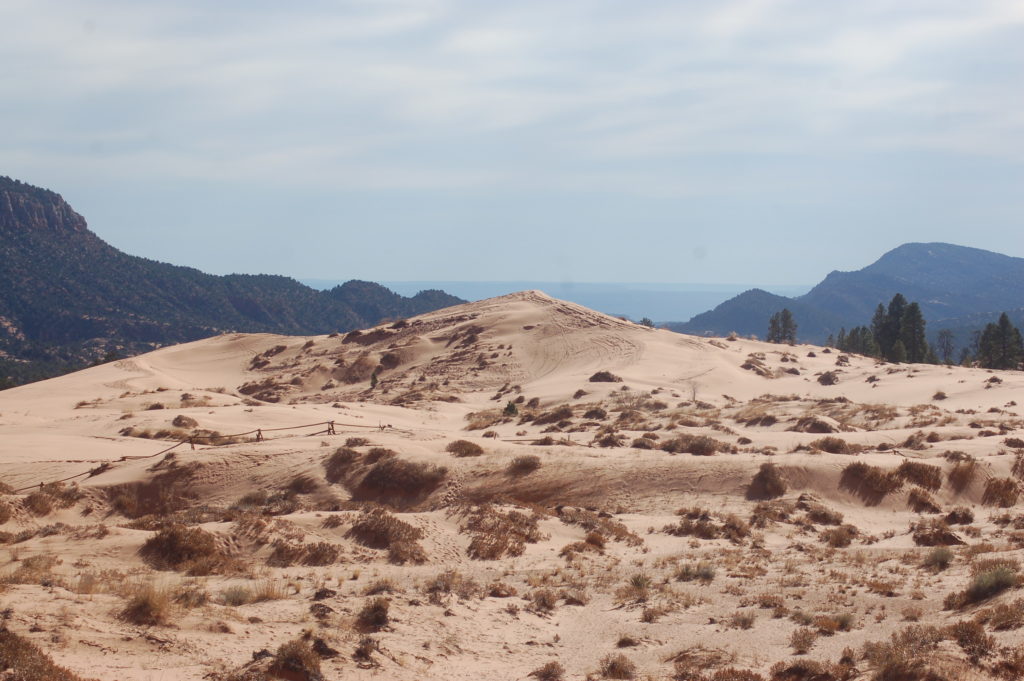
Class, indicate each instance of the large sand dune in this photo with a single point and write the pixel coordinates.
(683, 423)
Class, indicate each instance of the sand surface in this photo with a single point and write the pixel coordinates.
(577, 556)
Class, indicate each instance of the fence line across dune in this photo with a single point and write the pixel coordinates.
(194, 439)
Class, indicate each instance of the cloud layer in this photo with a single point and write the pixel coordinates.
(592, 140)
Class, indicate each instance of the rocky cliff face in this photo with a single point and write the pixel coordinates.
(24, 207)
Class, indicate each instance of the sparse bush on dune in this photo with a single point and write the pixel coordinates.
(834, 445)
(181, 548)
(523, 464)
(870, 483)
(839, 537)
(374, 615)
(464, 448)
(379, 529)
(605, 377)
(147, 605)
(699, 445)
(962, 475)
(934, 532)
(617, 666)
(397, 481)
(922, 502)
(921, 474)
(768, 483)
(497, 534)
(1001, 492)
(550, 671)
(296, 659)
(961, 515)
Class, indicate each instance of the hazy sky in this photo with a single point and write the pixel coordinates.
(580, 140)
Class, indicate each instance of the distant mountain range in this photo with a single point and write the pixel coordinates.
(68, 298)
(957, 287)
(635, 300)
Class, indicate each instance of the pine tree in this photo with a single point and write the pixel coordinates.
(891, 328)
(911, 333)
(775, 328)
(787, 326)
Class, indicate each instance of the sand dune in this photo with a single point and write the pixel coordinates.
(684, 423)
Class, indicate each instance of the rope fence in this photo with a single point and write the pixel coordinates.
(212, 440)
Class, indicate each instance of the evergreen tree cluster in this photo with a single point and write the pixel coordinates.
(782, 327)
(897, 334)
(1000, 345)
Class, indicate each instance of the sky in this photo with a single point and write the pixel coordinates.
(715, 141)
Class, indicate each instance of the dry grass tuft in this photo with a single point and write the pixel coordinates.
(617, 666)
(147, 605)
(962, 475)
(523, 464)
(920, 474)
(374, 615)
(550, 671)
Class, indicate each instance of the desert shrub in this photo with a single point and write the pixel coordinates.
(961, 515)
(920, 474)
(356, 442)
(766, 512)
(338, 464)
(320, 554)
(557, 414)
(828, 378)
(182, 421)
(39, 503)
(1004, 616)
(379, 529)
(821, 515)
(182, 548)
(236, 595)
(922, 502)
(939, 395)
(939, 558)
(768, 483)
(27, 662)
(605, 377)
(550, 671)
(497, 534)
(742, 620)
(296, 659)
(904, 655)
(374, 615)
(839, 537)
(971, 637)
(595, 414)
(832, 445)
(617, 666)
(523, 464)
(802, 640)
(962, 474)
(699, 445)
(987, 584)
(1001, 492)
(703, 571)
(870, 483)
(147, 605)
(464, 448)
(934, 532)
(543, 600)
(396, 480)
(451, 582)
(642, 443)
